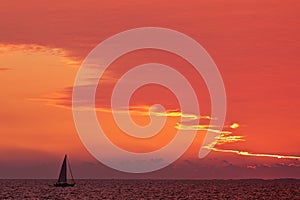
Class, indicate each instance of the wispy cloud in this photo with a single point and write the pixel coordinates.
(224, 137)
(251, 166)
(246, 153)
(210, 128)
(4, 69)
(180, 114)
(30, 48)
(34, 48)
(64, 100)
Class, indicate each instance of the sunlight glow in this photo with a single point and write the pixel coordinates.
(245, 153)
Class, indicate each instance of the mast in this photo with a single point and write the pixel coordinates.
(63, 171)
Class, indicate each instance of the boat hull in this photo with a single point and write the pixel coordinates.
(64, 184)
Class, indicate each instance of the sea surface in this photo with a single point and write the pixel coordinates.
(152, 189)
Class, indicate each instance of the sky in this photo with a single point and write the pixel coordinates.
(255, 45)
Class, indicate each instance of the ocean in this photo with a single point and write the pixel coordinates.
(152, 189)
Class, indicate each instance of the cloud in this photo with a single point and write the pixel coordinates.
(246, 153)
(186, 116)
(4, 69)
(293, 165)
(251, 166)
(58, 99)
(234, 125)
(36, 48)
(63, 99)
(226, 137)
(180, 126)
(30, 48)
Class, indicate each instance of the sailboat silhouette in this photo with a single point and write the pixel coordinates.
(62, 180)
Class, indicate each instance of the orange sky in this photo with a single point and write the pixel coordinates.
(255, 45)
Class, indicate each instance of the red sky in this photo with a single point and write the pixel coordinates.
(255, 45)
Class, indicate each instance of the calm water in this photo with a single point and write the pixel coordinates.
(152, 189)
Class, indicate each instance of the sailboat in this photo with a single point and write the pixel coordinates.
(62, 179)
